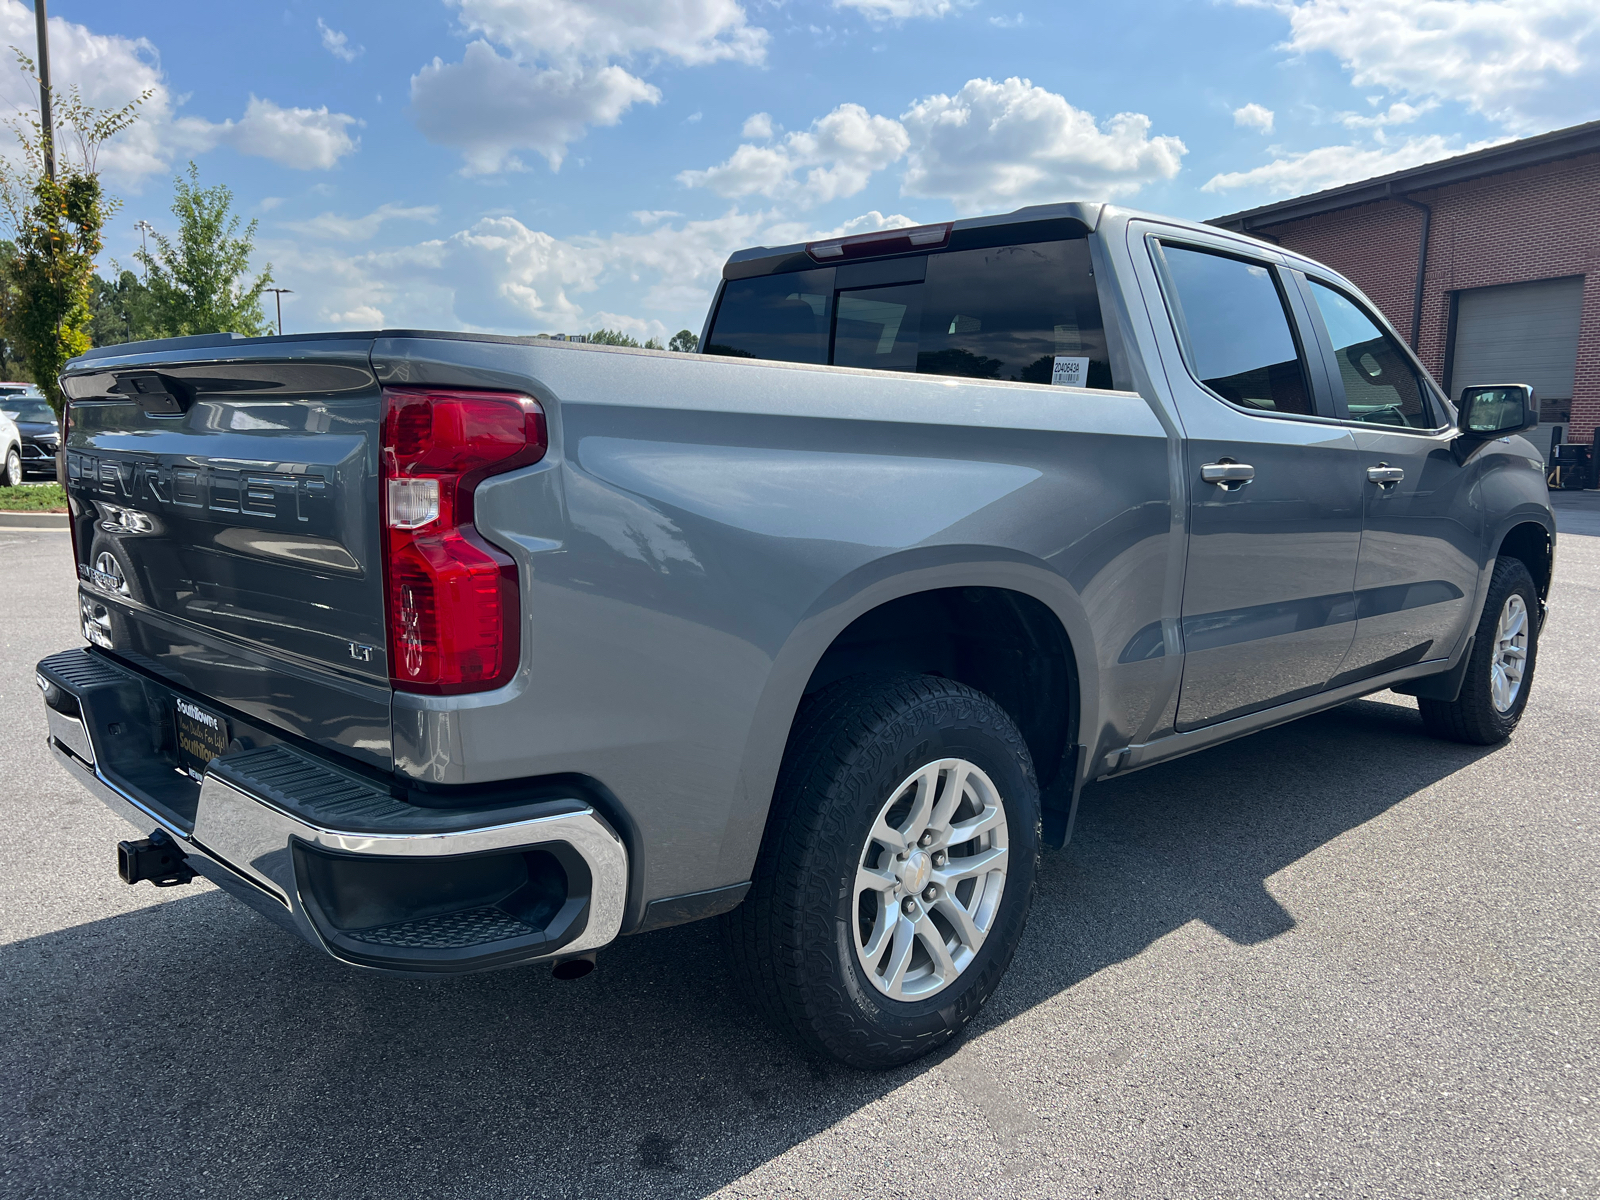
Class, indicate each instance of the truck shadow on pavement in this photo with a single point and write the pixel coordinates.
(192, 1044)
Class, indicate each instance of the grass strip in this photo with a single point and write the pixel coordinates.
(41, 497)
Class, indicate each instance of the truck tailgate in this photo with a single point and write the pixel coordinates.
(226, 525)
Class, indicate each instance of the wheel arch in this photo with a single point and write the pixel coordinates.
(1005, 643)
(906, 613)
(1534, 544)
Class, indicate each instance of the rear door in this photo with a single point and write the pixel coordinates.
(1418, 566)
(1268, 611)
(225, 507)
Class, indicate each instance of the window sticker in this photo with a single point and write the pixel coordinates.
(1070, 370)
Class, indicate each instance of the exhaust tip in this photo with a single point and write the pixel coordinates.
(573, 968)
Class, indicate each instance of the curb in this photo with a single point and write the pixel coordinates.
(33, 520)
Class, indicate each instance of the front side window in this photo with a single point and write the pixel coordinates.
(786, 317)
(1380, 384)
(1238, 333)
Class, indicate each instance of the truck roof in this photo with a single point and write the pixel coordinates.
(965, 233)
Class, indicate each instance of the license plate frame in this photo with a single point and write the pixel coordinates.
(200, 734)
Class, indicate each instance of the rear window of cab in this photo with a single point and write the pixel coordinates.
(1027, 313)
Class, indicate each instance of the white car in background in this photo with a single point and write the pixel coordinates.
(10, 452)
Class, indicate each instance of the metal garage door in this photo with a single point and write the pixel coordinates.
(1519, 333)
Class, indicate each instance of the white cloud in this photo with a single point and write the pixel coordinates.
(868, 222)
(336, 43)
(360, 229)
(562, 72)
(992, 145)
(111, 71)
(838, 154)
(1398, 113)
(1016, 22)
(757, 127)
(268, 203)
(307, 139)
(363, 316)
(1330, 166)
(1527, 64)
(694, 32)
(1000, 145)
(900, 10)
(500, 276)
(490, 107)
(1253, 116)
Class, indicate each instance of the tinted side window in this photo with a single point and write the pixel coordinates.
(786, 317)
(1028, 313)
(1380, 385)
(1238, 331)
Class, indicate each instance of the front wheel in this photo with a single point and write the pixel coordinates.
(1494, 690)
(897, 872)
(13, 469)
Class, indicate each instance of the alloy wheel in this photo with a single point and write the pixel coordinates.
(1510, 653)
(929, 880)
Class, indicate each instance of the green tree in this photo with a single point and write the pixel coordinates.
(615, 337)
(200, 282)
(121, 310)
(13, 360)
(683, 341)
(56, 225)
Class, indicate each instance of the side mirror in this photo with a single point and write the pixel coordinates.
(1497, 410)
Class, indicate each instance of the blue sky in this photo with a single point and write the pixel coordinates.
(526, 166)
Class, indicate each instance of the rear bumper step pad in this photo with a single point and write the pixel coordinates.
(373, 880)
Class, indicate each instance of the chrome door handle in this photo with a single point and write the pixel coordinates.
(1385, 476)
(1228, 475)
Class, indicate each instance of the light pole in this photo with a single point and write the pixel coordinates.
(42, 21)
(144, 227)
(280, 293)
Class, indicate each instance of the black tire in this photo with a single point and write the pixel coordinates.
(790, 942)
(1472, 716)
(12, 476)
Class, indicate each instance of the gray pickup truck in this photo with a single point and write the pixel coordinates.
(449, 652)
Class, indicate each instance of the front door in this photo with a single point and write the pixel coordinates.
(1274, 494)
(1419, 547)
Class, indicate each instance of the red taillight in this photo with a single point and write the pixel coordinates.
(452, 597)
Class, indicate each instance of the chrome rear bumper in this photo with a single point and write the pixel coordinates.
(373, 880)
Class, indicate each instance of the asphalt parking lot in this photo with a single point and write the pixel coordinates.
(1336, 959)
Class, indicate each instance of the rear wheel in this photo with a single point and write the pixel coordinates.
(12, 477)
(898, 869)
(1494, 690)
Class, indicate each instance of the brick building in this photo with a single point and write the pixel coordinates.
(1489, 263)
